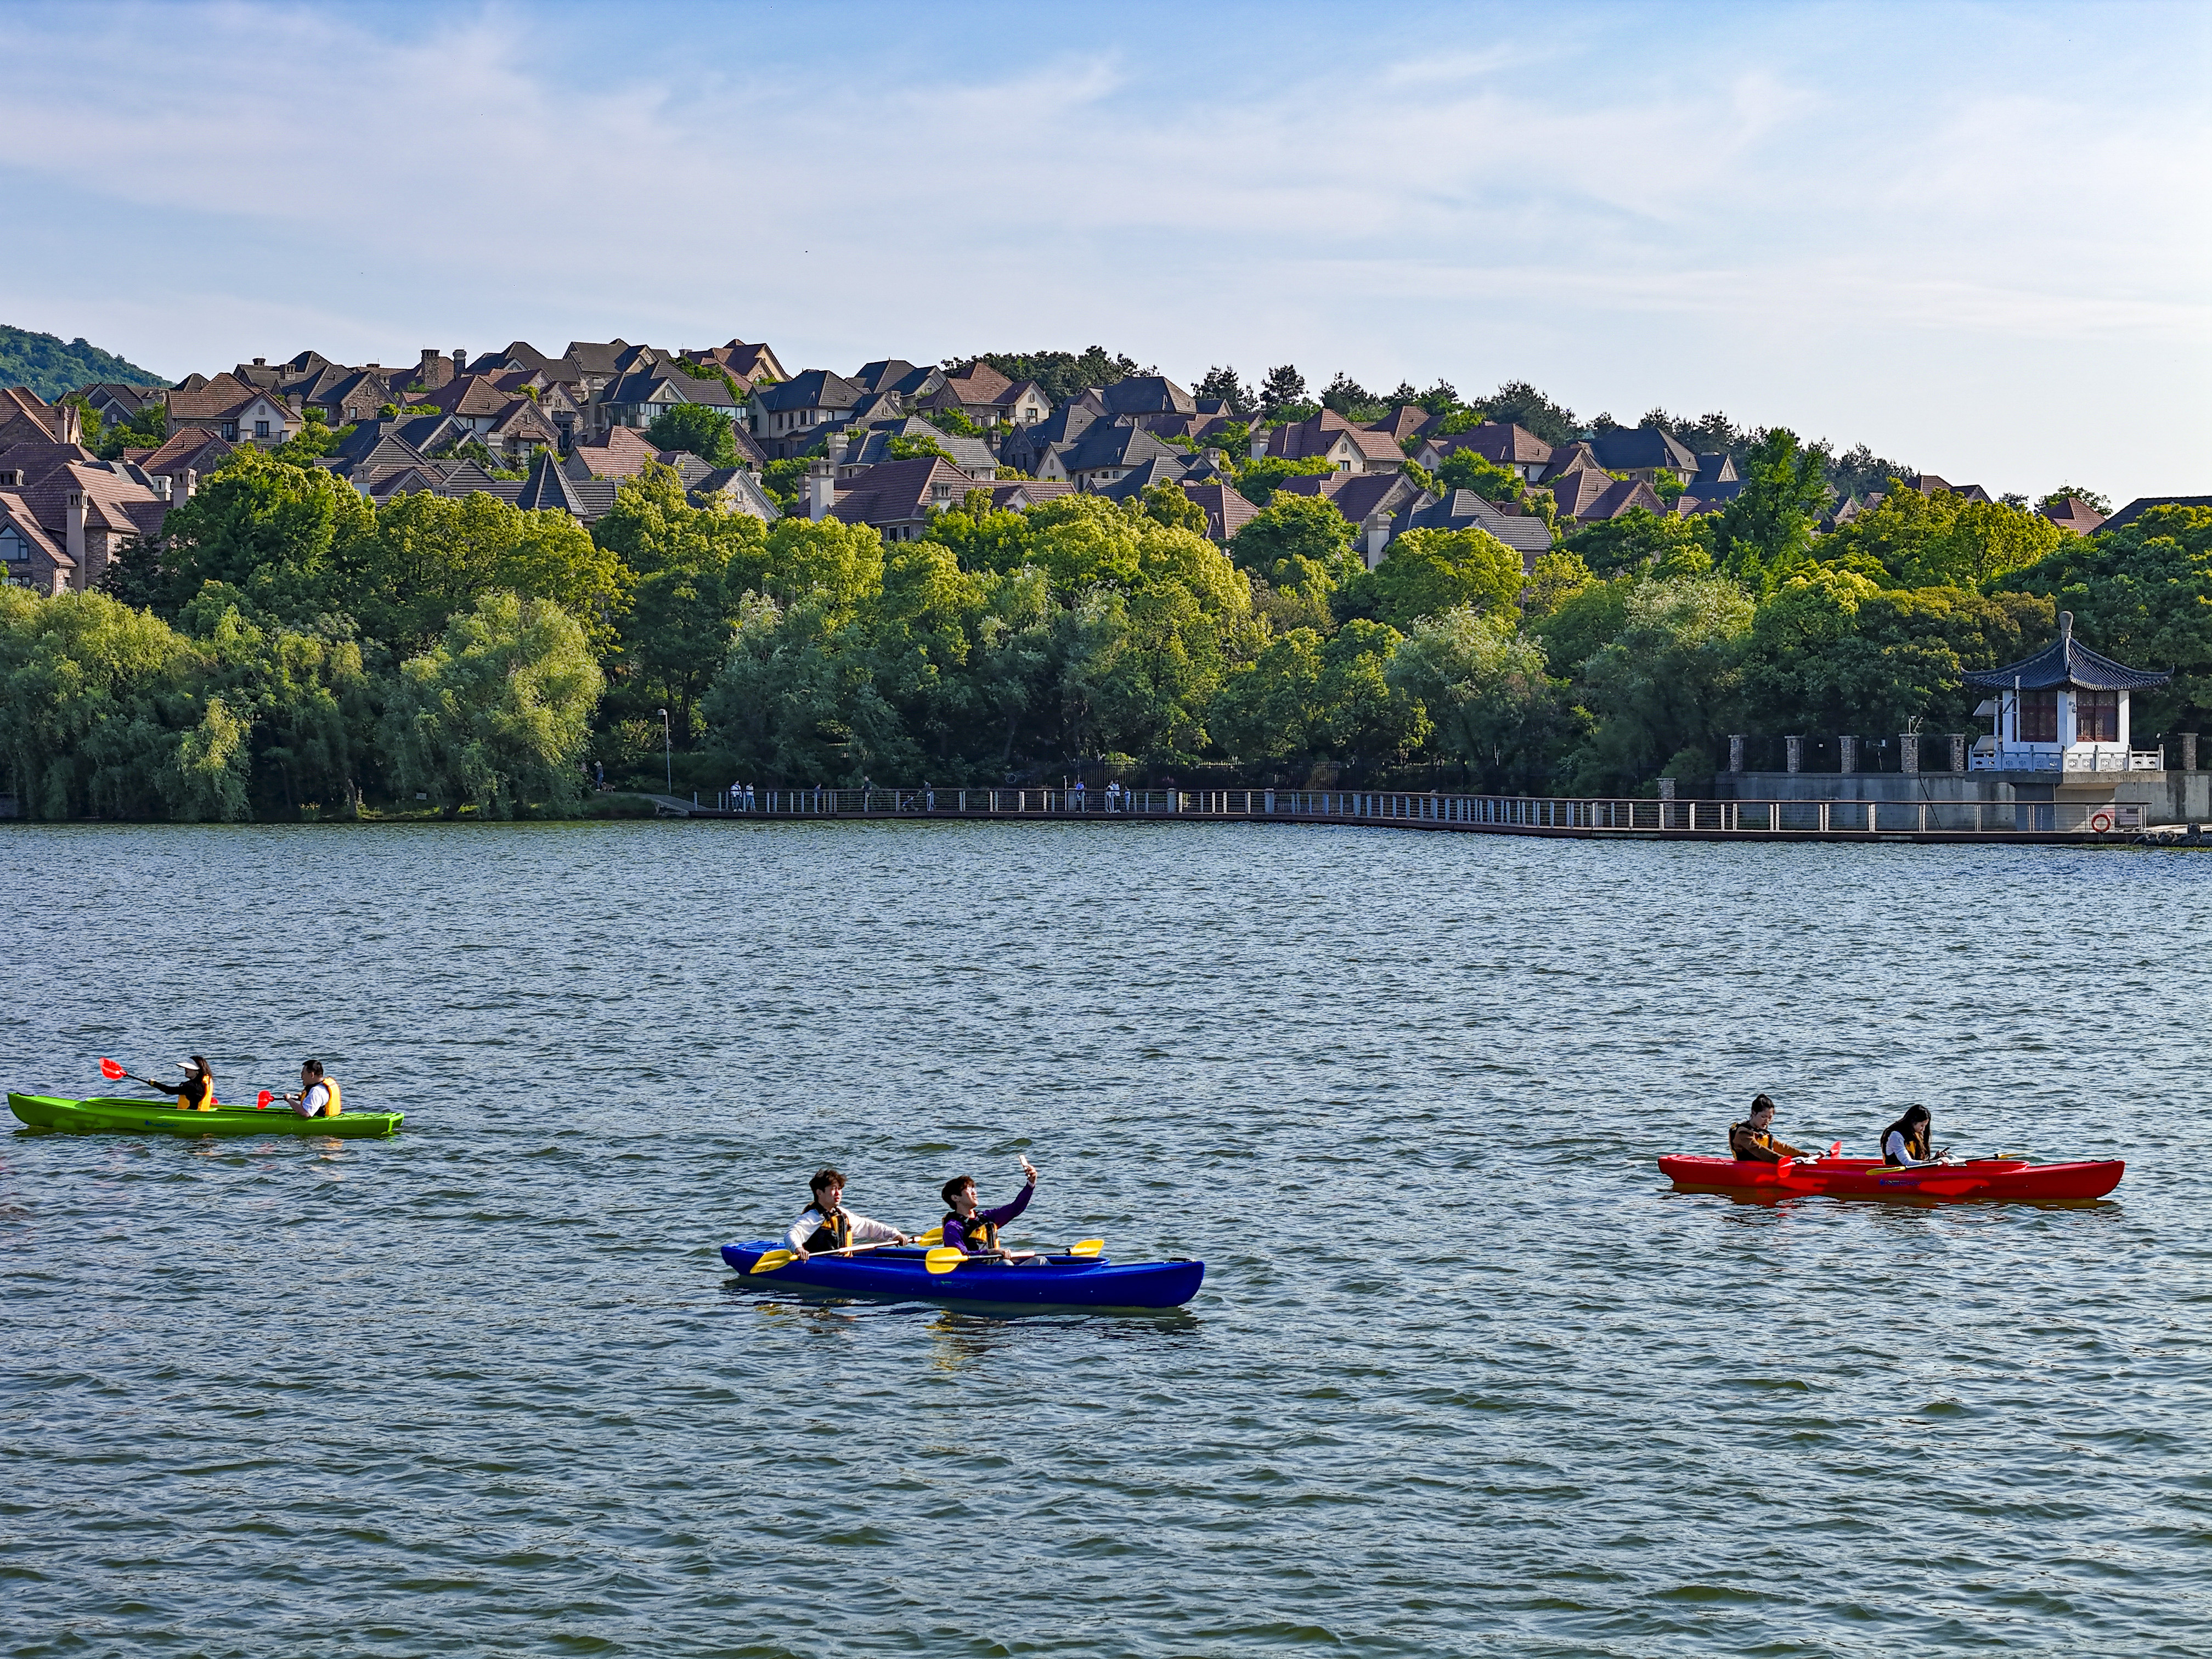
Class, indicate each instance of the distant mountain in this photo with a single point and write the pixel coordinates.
(50, 368)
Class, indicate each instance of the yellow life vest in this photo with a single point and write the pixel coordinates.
(333, 1106)
(1740, 1134)
(835, 1231)
(198, 1095)
(979, 1234)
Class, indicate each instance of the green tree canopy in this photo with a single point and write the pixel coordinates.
(1484, 684)
(1766, 531)
(1638, 538)
(1670, 680)
(697, 429)
(1911, 540)
(1298, 543)
(1429, 572)
(2142, 594)
(498, 714)
(1832, 650)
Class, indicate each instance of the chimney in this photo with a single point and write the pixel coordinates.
(191, 482)
(159, 481)
(1259, 445)
(429, 365)
(74, 542)
(460, 360)
(1378, 537)
(69, 424)
(261, 362)
(821, 489)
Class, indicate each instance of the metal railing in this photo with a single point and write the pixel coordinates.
(1510, 814)
(2070, 760)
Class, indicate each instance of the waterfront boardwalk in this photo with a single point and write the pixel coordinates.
(1561, 816)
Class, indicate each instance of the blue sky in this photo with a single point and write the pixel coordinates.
(1977, 237)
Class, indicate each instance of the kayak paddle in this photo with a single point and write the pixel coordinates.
(946, 1258)
(115, 1073)
(771, 1260)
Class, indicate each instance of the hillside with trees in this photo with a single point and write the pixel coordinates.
(52, 367)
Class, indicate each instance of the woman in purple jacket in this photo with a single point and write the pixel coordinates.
(975, 1231)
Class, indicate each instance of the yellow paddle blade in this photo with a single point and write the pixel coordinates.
(934, 1235)
(770, 1260)
(1087, 1246)
(944, 1258)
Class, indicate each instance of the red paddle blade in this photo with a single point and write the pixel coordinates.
(112, 1071)
(261, 1101)
(1833, 1149)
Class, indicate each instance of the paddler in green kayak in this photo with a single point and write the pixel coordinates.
(197, 1092)
(825, 1223)
(1752, 1142)
(319, 1095)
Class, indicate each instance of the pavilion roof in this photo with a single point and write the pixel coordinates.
(2066, 661)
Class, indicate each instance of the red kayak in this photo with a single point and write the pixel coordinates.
(2000, 1178)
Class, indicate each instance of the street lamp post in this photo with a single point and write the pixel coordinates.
(668, 750)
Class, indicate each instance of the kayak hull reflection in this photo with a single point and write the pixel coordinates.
(1053, 1282)
(1980, 1179)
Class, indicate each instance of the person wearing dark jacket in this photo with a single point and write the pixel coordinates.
(1751, 1140)
(976, 1230)
(197, 1092)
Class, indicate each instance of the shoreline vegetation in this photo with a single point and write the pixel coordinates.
(290, 650)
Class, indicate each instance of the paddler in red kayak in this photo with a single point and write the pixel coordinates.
(825, 1225)
(976, 1230)
(1752, 1141)
(1905, 1143)
(197, 1092)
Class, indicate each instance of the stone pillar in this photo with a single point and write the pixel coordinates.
(1666, 789)
(1847, 751)
(1958, 752)
(1908, 752)
(2188, 751)
(1794, 748)
(1735, 751)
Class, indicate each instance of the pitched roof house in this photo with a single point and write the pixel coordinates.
(1226, 512)
(857, 449)
(1369, 501)
(1502, 443)
(988, 397)
(234, 411)
(29, 557)
(792, 415)
(898, 497)
(2142, 504)
(641, 397)
(91, 509)
(1462, 509)
(1587, 496)
(1328, 436)
(1643, 454)
(1147, 394)
(2072, 514)
(1108, 450)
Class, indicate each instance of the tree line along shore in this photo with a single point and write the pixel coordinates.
(289, 646)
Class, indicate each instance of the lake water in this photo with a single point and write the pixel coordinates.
(1466, 1377)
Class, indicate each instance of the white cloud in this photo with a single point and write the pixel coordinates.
(1636, 198)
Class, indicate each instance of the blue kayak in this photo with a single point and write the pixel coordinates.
(1058, 1281)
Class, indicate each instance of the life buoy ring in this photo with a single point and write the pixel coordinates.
(2100, 821)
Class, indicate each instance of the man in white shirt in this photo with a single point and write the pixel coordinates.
(825, 1225)
(319, 1095)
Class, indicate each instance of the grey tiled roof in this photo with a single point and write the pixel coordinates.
(2066, 661)
(2142, 504)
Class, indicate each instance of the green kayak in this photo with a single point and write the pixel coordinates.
(138, 1117)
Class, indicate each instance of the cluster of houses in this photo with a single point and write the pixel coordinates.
(879, 447)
